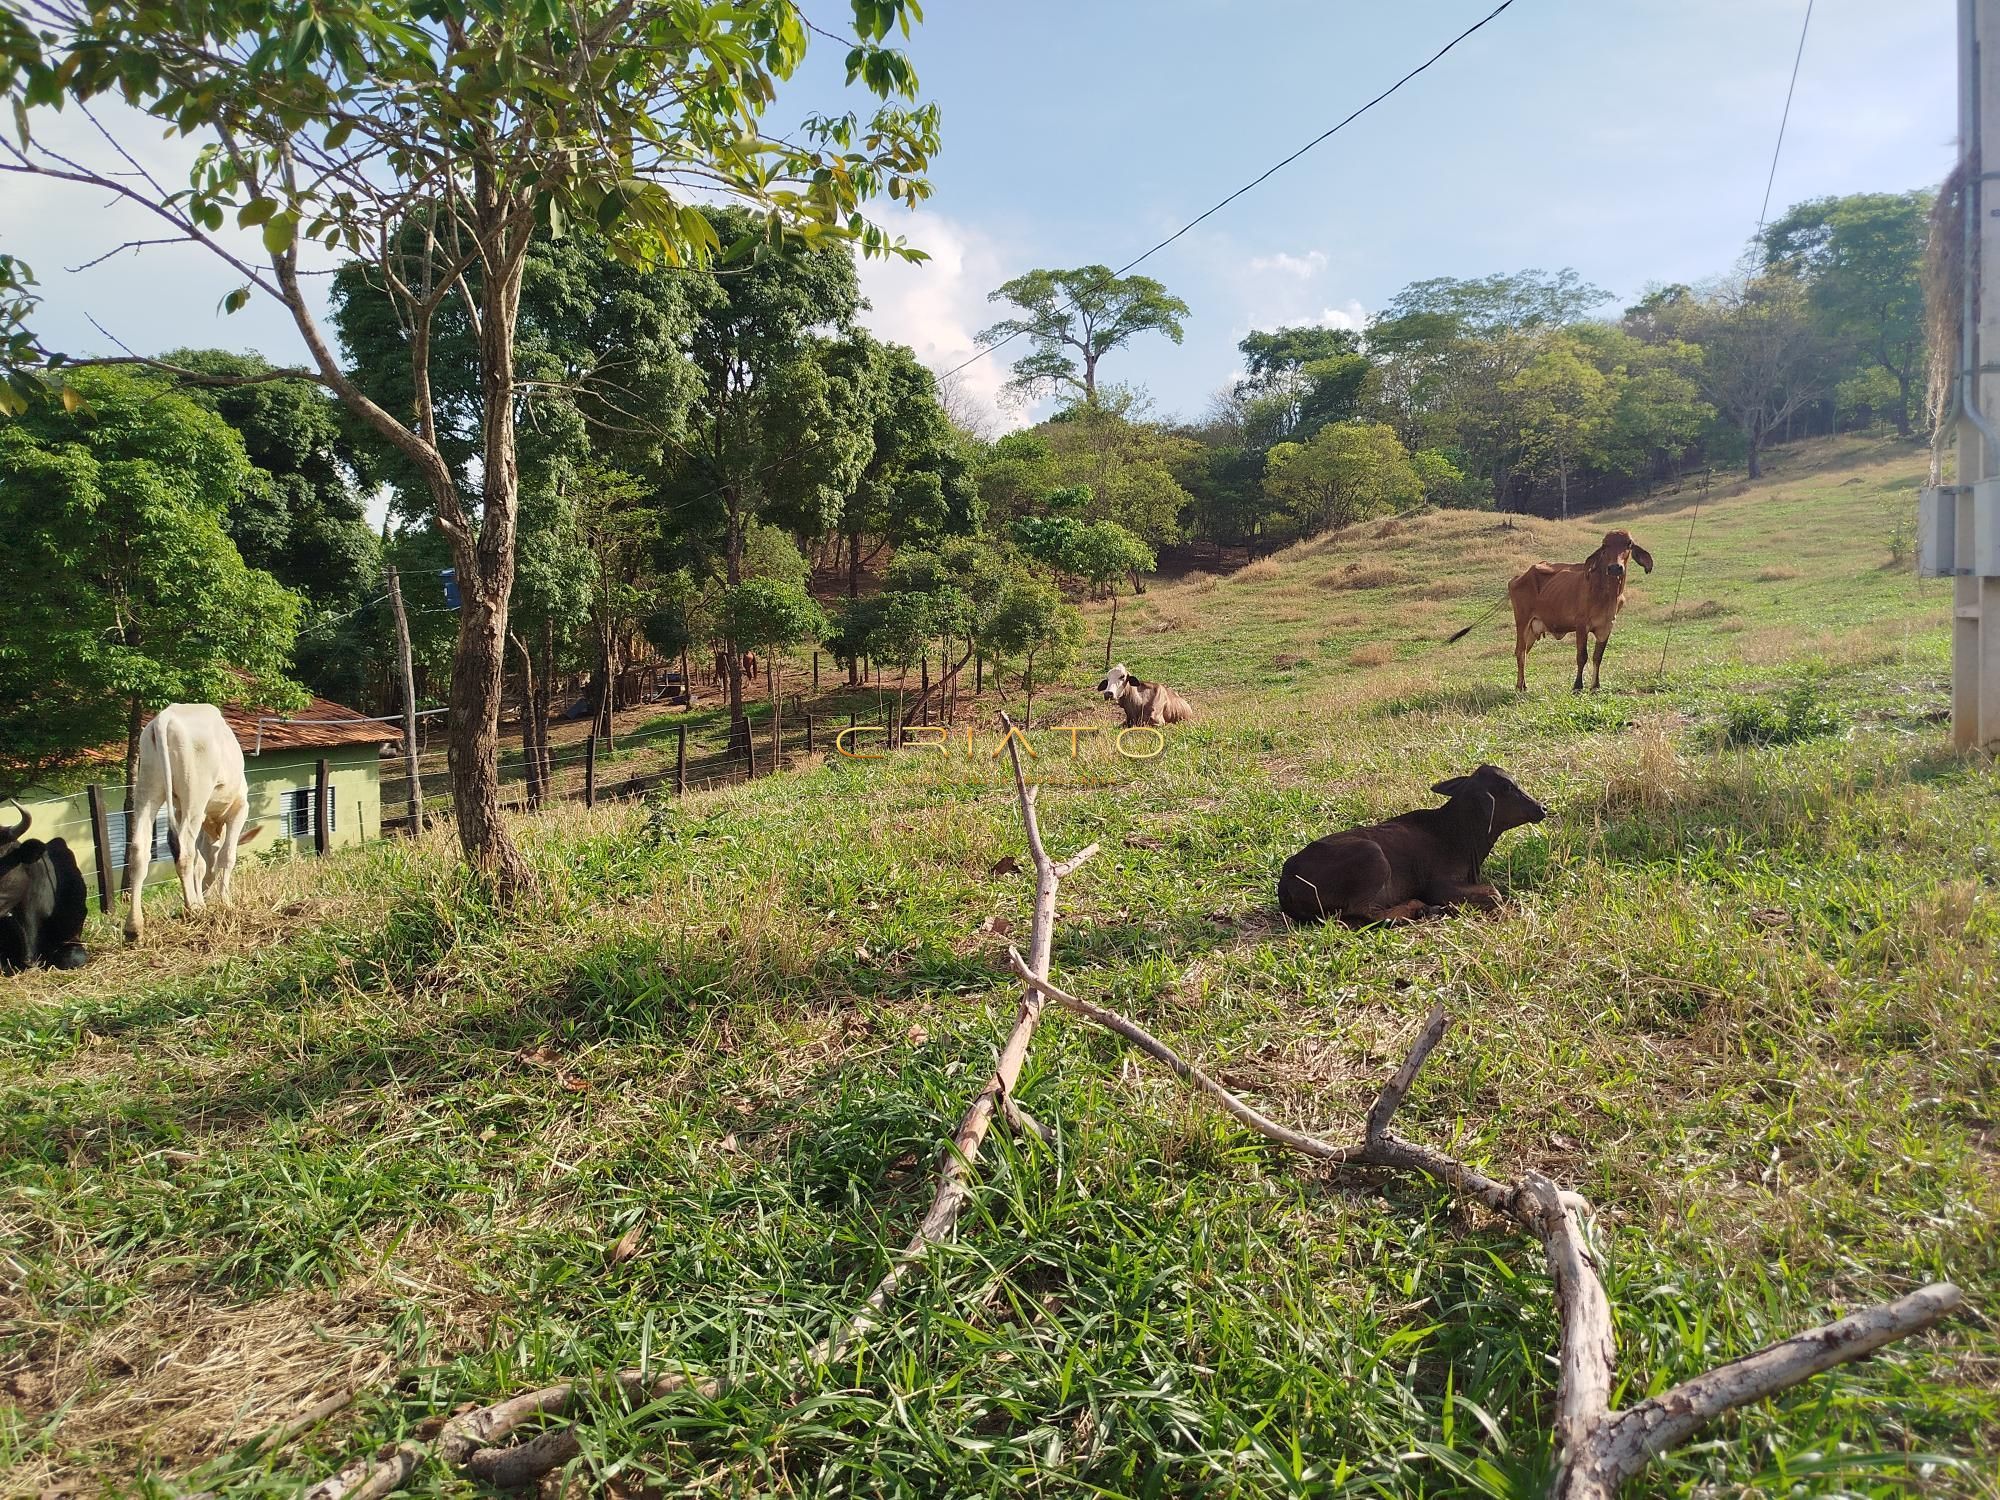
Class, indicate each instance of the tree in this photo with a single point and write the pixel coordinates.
(1762, 357)
(768, 614)
(1861, 258)
(1088, 311)
(302, 518)
(1347, 472)
(1124, 464)
(1564, 407)
(1103, 553)
(917, 484)
(124, 591)
(1298, 380)
(435, 142)
(1444, 483)
(779, 429)
(1031, 621)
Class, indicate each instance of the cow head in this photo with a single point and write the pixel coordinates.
(1616, 552)
(1113, 685)
(1511, 807)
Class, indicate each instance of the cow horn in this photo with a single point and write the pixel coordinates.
(9, 835)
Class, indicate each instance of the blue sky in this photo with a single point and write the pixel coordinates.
(1627, 138)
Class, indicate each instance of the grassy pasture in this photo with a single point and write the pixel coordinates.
(368, 1131)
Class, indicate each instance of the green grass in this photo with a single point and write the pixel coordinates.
(371, 1130)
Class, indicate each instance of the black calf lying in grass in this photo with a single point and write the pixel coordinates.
(1399, 870)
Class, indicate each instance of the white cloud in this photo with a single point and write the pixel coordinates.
(1305, 267)
(938, 305)
(1350, 314)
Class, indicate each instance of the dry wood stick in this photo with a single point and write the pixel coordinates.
(961, 1155)
(474, 1443)
(1597, 1449)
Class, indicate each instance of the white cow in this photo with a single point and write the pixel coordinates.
(190, 764)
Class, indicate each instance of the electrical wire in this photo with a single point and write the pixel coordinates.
(1763, 217)
(1256, 181)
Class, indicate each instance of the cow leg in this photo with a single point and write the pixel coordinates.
(1597, 661)
(225, 853)
(1523, 639)
(1582, 655)
(138, 859)
(1476, 893)
(188, 862)
(14, 955)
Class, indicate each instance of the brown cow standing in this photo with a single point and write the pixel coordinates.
(1559, 598)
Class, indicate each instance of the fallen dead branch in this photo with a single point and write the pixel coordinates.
(1598, 1449)
(477, 1443)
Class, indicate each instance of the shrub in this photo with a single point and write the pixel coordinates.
(1798, 715)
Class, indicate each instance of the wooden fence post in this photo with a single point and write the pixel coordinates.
(681, 763)
(322, 805)
(100, 838)
(809, 734)
(590, 769)
(815, 671)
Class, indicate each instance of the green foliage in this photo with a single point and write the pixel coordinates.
(1298, 380)
(1031, 621)
(1072, 319)
(1861, 258)
(1444, 483)
(768, 613)
(1347, 472)
(769, 552)
(1104, 460)
(124, 591)
(1800, 713)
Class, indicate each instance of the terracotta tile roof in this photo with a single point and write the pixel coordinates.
(302, 729)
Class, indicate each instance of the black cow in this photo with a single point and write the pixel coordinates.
(43, 902)
(1402, 869)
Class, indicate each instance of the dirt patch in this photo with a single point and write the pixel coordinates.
(1284, 661)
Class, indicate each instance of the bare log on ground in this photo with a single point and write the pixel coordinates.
(1598, 1449)
(476, 1443)
(997, 1097)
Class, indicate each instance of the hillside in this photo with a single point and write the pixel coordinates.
(366, 1132)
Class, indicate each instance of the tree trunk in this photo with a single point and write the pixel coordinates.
(486, 580)
(545, 692)
(1562, 484)
(1902, 404)
(1753, 438)
(133, 724)
(771, 671)
(739, 728)
(531, 766)
(1111, 634)
(1028, 717)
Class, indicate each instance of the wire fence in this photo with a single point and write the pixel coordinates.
(660, 756)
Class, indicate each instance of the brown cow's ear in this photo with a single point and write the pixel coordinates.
(1644, 557)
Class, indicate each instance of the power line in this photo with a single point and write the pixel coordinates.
(1785, 119)
(1763, 216)
(1262, 177)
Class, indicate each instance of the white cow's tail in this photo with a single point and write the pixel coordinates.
(166, 764)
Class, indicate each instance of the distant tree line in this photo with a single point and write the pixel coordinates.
(721, 459)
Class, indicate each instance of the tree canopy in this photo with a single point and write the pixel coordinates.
(1072, 319)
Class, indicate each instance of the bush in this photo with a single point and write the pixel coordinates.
(1798, 715)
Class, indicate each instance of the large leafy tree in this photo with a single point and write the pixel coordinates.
(1861, 258)
(436, 141)
(302, 519)
(1564, 406)
(1299, 379)
(1347, 472)
(1072, 319)
(917, 484)
(780, 427)
(1764, 358)
(124, 590)
(1031, 621)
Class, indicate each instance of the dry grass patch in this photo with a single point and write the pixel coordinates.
(1255, 572)
(1357, 575)
(1374, 654)
(1777, 573)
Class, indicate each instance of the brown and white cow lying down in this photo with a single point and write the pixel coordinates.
(1558, 598)
(1410, 865)
(191, 765)
(1147, 703)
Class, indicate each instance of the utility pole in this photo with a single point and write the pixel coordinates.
(1975, 625)
(409, 700)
